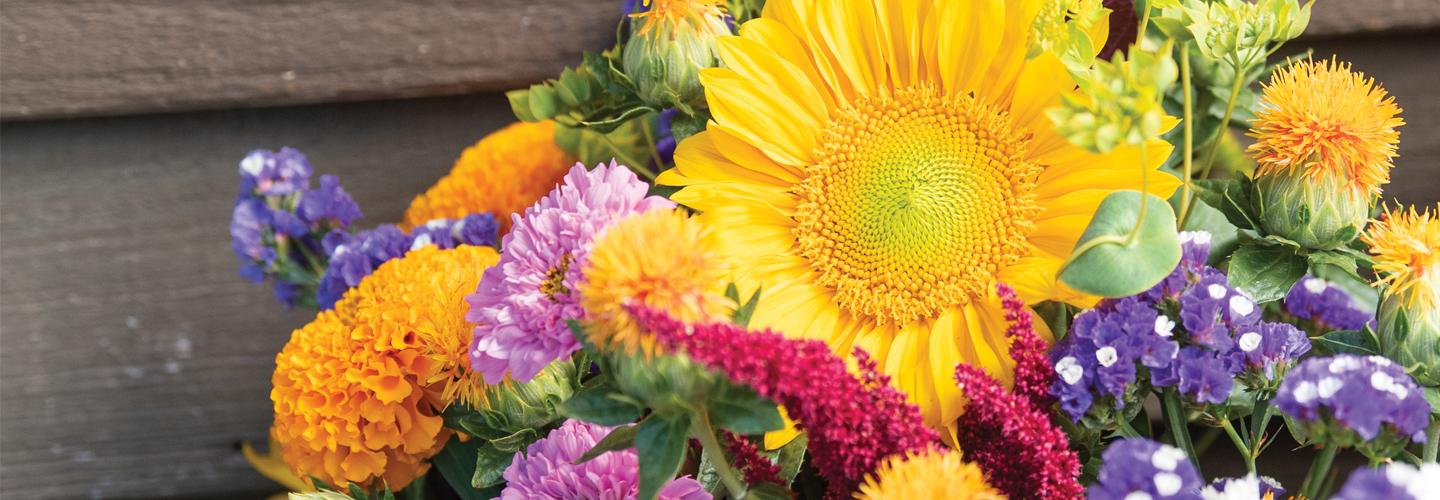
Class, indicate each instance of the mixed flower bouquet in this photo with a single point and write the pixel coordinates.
(890, 250)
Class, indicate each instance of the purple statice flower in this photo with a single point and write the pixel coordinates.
(1210, 308)
(435, 232)
(288, 224)
(328, 203)
(1395, 481)
(1143, 469)
(665, 143)
(547, 470)
(1099, 356)
(247, 230)
(522, 302)
(1203, 375)
(1366, 394)
(1250, 487)
(1194, 251)
(352, 258)
(1326, 304)
(275, 174)
(1267, 350)
(476, 230)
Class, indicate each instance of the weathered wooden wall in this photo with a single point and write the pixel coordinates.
(132, 358)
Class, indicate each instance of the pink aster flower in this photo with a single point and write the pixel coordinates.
(545, 470)
(523, 301)
(1009, 435)
(853, 422)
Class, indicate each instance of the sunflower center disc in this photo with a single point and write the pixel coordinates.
(917, 201)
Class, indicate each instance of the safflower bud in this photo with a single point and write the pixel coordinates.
(1317, 213)
(667, 52)
(1406, 248)
(659, 381)
(513, 407)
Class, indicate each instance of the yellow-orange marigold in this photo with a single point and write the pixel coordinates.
(505, 172)
(358, 391)
(1330, 122)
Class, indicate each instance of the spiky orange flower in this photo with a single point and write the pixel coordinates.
(505, 172)
(358, 391)
(934, 474)
(1407, 251)
(1330, 122)
(673, 12)
(660, 260)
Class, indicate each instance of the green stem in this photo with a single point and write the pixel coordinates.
(1224, 127)
(1126, 430)
(701, 429)
(1189, 133)
(1432, 438)
(1239, 445)
(650, 141)
(630, 162)
(1318, 470)
(1099, 240)
(1144, 23)
(1175, 417)
(1144, 196)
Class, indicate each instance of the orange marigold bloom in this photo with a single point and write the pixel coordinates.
(1329, 121)
(1407, 250)
(358, 392)
(505, 172)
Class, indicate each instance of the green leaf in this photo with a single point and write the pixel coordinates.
(743, 311)
(490, 465)
(1125, 266)
(1347, 342)
(517, 441)
(1401, 331)
(1265, 272)
(686, 125)
(610, 124)
(456, 462)
(1230, 198)
(1432, 396)
(739, 408)
(542, 101)
(768, 491)
(599, 405)
(1341, 260)
(622, 438)
(660, 446)
(790, 457)
(520, 104)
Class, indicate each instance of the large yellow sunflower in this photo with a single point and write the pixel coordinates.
(876, 167)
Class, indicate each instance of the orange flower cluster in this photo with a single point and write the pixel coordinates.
(505, 172)
(358, 391)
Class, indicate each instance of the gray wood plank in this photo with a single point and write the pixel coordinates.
(88, 57)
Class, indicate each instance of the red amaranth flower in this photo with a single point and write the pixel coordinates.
(748, 460)
(1007, 434)
(854, 423)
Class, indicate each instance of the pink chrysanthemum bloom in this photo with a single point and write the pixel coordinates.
(545, 470)
(522, 303)
(854, 422)
(1009, 435)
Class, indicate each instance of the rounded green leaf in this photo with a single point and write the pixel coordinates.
(1118, 268)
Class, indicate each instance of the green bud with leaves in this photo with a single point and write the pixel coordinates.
(1316, 212)
(673, 42)
(1410, 335)
(510, 407)
(1120, 104)
(1406, 256)
(661, 381)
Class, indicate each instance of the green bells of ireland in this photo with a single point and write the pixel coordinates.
(1316, 213)
(664, 58)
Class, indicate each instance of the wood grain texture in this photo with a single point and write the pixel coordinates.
(132, 357)
(91, 57)
(75, 58)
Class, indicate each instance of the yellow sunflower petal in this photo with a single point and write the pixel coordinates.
(762, 115)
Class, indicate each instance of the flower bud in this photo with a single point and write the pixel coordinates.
(1410, 334)
(665, 56)
(1315, 212)
(513, 406)
(661, 380)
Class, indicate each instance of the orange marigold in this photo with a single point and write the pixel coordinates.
(358, 391)
(505, 172)
(1329, 121)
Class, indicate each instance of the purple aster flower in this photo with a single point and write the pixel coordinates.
(523, 301)
(1316, 299)
(1362, 393)
(476, 230)
(1250, 487)
(546, 470)
(1267, 349)
(328, 202)
(1140, 469)
(276, 174)
(1203, 375)
(1395, 481)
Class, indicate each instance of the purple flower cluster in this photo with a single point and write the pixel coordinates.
(1140, 468)
(278, 222)
(547, 470)
(1396, 481)
(1242, 487)
(1211, 333)
(1366, 394)
(1327, 305)
(352, 258)
(665, 142)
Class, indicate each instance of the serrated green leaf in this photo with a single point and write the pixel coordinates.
(743, 310)
(520, 105)
(1280, 240)
(1341, 260)
(660, 446)
(490, 465)
(1348, 342)
(790, 457)
(1265, 272)
(456, 463)
(1432, 396)
(517, 441)
(622, 438)
(599, 405)
(743, 411)
(1126, 266)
